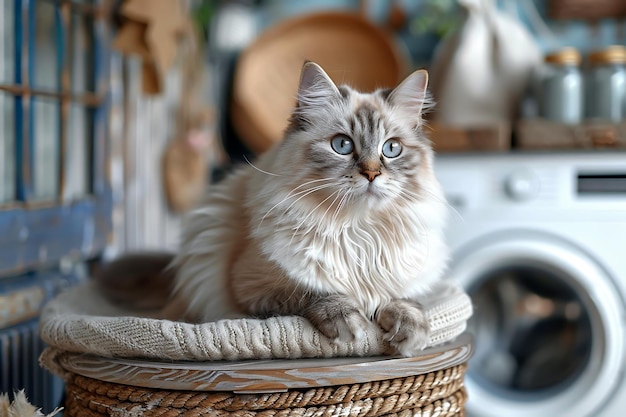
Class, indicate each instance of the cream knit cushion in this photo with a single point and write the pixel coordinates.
(82, 320)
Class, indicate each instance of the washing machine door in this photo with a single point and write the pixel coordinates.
(548, 324)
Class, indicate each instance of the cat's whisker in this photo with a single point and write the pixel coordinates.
(427, 125)
(413, 196)
(331, 204)
(336, 211)
(339, 207)
(307, 193)
(259, 169)
(310, 214)
(289, 195)
(454, 211)
(336, 192)
(443, 200)
(304, 194)
(310, 182)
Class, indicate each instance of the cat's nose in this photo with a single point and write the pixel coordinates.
(370, 174)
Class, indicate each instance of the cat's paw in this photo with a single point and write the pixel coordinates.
(338, 318)
(406, 326)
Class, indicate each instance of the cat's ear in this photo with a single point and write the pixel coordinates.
(315, 87)
(411, 94)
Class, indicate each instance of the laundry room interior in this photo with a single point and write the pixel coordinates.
(117, 115)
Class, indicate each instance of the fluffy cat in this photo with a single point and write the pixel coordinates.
(342, 222)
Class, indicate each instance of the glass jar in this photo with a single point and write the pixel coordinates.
(561, 90)
(606, 84)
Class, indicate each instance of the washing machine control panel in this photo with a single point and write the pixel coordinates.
(521, 185)
(533, 183)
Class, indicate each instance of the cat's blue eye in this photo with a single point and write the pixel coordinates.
(342, 144)
(392, 148)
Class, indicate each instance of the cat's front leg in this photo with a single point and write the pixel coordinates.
(406, 326)
(337, 317)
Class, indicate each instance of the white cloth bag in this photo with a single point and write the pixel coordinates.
(480, 74)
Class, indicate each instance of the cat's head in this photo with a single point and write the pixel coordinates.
(363, 149)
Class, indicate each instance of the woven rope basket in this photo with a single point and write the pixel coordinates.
(118, 364)
(439, 393)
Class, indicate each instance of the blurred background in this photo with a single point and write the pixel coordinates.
(115, 115)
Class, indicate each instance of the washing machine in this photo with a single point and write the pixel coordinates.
(539, 242)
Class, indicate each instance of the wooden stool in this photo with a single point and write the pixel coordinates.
(427, 385)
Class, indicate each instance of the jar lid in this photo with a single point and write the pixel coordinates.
(565, 56)
(614, 54)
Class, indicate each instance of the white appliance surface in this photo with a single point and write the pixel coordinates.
(539, 241)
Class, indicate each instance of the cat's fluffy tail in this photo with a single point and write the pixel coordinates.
(137, 280)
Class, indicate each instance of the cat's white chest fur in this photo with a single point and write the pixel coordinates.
(373, 260)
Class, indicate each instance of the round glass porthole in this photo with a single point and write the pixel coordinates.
(533, 330)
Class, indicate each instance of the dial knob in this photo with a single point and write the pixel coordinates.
(521, 185)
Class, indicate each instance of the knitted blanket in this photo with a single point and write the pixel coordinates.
(81, 320)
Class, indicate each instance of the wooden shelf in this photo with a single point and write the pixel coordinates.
(547, 135)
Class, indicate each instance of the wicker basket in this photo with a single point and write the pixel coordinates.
(439, 393)
(122, 365)
(431, 384)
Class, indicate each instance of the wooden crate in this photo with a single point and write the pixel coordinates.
(546, 134)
